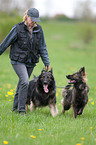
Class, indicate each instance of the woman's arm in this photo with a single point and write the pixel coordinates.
(44, 53)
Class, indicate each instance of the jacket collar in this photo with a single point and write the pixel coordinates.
(35, 29)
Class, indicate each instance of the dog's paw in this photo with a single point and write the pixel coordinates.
(53, 110)
(32, 107)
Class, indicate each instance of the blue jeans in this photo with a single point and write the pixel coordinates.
(20, 97)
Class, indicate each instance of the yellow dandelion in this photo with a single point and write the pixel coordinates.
(32, 136)
(57, 94)
(91, 130)
(39, 129)
(0, 88)
(11, 90)
(9, 100)
(6, 95)
(78, 144)
(52, 135)
(82, 138)
(92, 103)
(12, 96)
(10, 93)
(5, 142)
(91, 99)
(59, 104)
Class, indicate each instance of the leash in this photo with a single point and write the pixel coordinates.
(66, 87)
(60, 87)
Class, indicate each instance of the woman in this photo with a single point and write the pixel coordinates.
(27, 44)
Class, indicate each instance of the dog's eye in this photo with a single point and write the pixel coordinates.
(42, 77)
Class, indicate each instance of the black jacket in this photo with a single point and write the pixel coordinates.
(23, 48)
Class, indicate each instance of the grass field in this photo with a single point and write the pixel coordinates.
(67, 54)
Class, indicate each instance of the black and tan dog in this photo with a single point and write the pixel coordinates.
(75, 94)
(42, 92)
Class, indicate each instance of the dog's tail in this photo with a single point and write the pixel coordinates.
(67, 87)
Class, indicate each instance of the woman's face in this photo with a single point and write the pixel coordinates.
(30, 23)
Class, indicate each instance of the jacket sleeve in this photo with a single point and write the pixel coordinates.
(10, 38)
(43, 51)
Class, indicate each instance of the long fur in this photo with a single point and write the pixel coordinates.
(76, 96)
(42, 92)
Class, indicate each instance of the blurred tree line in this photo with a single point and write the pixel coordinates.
(18, 6)
(83, 10)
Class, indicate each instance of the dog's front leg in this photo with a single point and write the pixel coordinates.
(62, 102)
(26, 106)
(32, 107)
(81, 110)
(53, 109)
(74, 111)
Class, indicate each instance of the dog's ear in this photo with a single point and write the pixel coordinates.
(51, 71)
(82, 70)
(43, 70)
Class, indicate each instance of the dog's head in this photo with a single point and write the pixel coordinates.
(47, 80)
(79, 76)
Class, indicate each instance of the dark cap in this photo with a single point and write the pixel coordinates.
(34, 14)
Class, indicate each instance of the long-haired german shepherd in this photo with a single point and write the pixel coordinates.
(42, 92)
(75, 94)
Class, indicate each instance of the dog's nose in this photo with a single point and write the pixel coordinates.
(45, 82)
(67, 76)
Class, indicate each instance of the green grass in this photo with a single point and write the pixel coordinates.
(67, 54)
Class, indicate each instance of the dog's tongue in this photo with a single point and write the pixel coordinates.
(45, 88)
(71, 81)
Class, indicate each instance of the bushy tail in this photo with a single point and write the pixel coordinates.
(67, 87)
